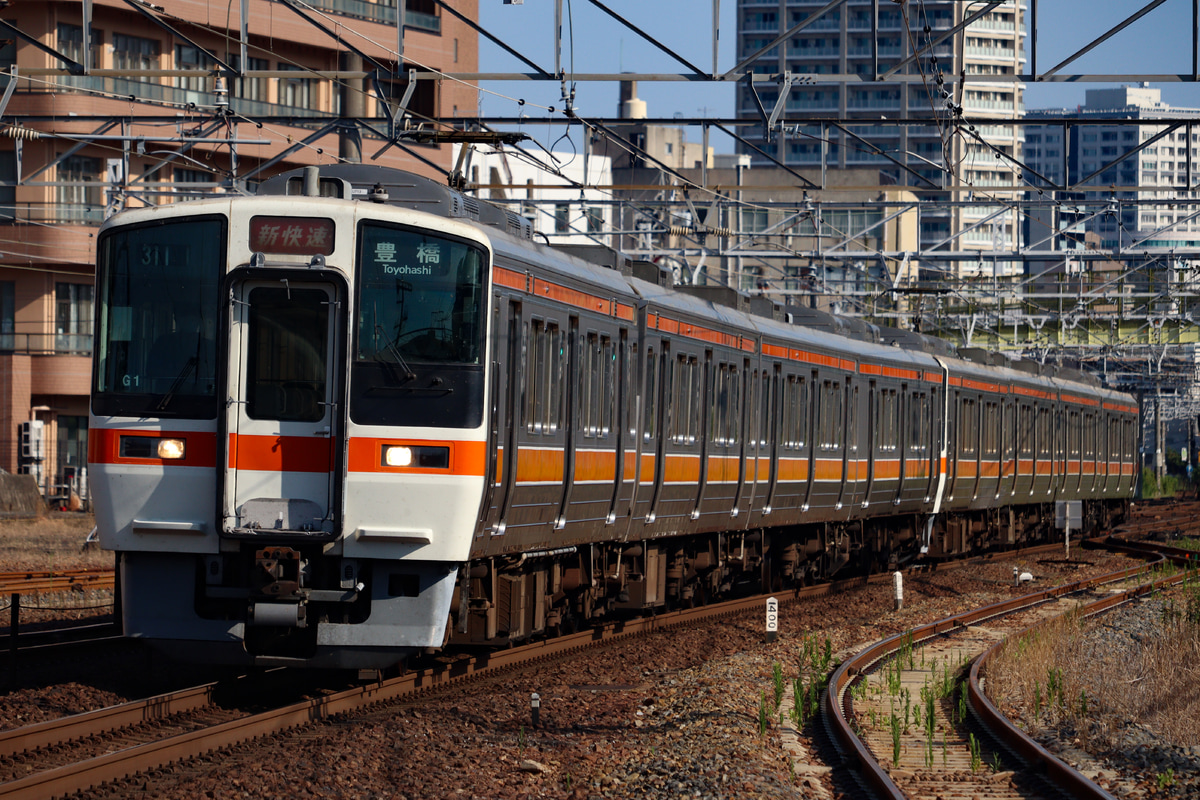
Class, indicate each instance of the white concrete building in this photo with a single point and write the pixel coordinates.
(549, 196)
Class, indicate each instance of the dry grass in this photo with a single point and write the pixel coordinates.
(1094, 678)
(54, 542)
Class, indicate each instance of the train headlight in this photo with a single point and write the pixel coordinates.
(170, 448)
(167, 449)
(422, 456)
(397, 456)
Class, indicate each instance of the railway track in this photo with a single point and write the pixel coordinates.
(77, 753)
(78, 580)
(909, 710)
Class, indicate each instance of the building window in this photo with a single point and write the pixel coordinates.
(8, 184)
(185, 180)
(296, 92)
(73, 317)
(8, 315)
(134, 52)
(79, 193)
(595, 219)
(189, 57)
(72, 451)
(70, 43)
(562, 217)
(250, 88)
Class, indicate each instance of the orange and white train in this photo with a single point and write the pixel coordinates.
(360, 415)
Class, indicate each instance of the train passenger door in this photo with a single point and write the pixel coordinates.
(743, 427)
(507, 362)
(872, 424)
(282, 380)
(625, 428)
(851, 474)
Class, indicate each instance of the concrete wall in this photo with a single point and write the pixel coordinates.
(19, 496)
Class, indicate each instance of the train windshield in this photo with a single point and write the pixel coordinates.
(419, 337)
(156, 327)
(420, 297)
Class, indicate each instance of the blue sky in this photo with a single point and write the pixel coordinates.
(1160, 42)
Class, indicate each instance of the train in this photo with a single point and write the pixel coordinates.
(360, 415)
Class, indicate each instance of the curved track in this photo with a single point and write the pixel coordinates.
(898, 709)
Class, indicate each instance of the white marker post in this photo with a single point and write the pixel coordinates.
(535, 707)
(898, 589)
(772, 618)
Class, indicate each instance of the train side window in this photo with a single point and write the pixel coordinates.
(543, 375)
(968, 425)
(695, 393)
(764, 417)
(795, 408)
(556, 358)
(991, 443)
(627, 386)
(788, 403)
(597, 385)
(852, 416)
(608, 370)
(831, 414)
(718, 405)
(588, 388)
(1025, 431)
(886, 425)
(726, 406)
(533, 364)
(919, 411)
(650, 399)
(680, 410)
(685, 406)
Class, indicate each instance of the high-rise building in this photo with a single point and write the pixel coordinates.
(1088, 158)
(139, 108)
(939, 162)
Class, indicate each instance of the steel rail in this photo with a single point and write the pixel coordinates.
(1016, 739)
(837, 705)
(56, 581)
(57, 731)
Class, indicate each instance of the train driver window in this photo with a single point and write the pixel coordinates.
(157, 298)
(421, 297)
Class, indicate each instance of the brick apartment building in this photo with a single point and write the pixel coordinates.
(148, 122)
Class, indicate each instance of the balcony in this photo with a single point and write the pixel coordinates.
(380, 12)
(148, 92)
(53, 213)
(46, 344)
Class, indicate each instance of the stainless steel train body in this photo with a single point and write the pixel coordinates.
(360, 415)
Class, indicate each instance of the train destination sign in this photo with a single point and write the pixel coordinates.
(293, 236)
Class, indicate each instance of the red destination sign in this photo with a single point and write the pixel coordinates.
(295, 236)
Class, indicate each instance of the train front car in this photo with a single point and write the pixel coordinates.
(287, 423)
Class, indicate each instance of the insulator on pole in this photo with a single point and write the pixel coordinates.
(18, 132)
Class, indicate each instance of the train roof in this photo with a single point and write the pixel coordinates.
(598, 266)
